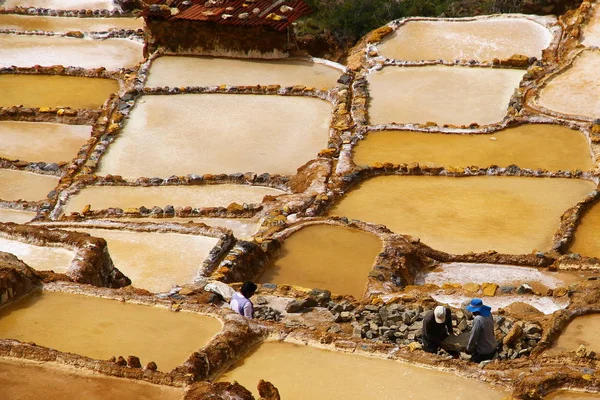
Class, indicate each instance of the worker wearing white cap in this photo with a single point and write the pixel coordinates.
(437, 326)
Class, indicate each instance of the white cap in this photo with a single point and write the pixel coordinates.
(440, 314)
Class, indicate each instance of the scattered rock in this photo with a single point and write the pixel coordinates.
(134, 362)
(152, 366)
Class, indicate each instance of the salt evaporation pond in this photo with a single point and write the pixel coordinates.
(55, 91)
(513, 215)
(241, 133)
(575, 91)
(442, 94)
(62, 4)
(102, 328)
(571, 395)
(16, 216)
(155, 261)
(176, 71)
(591, 33)
(19, 185)
(292, 369)
(66, 24)
(103, 197)
(585, 240)
(41, 258)
(534, 146)
(483, 39)
(31, 380)
(41, 141)
(28, 51)
(546, 305)
(325, 257)
(583, 330)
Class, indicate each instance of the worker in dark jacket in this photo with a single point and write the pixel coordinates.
(437, 326)
(482, 343)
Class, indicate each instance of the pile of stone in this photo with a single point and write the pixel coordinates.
(266, 313)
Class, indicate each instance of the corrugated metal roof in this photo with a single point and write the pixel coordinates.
(277, 14)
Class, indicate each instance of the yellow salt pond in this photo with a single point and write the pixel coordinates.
(336, 375)
(183, 71)
(326, 257)
(512, 215)
(41, 141)
(591, 33)
(583, 330)
(585, 240)
(31, 380)
(19, 185)
(155, 261)
(102, 328)
(57, 259)
(242, 133)
(16, 216)
(442, 94)
(481, 40)
(61, 4)
(28, 51)
(575, 91)
(66, 24)
(102, 197)
(571, 395)
(534, 146)
(55, 91)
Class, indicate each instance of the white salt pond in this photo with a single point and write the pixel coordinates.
(233, 133)
(28, 51)
(62, 4)
(591, 32)
(183, 71)
(41, 141)
(575, 91)
(66, 24)
(103, 197)
(571, 395)
(155, 261)
(42, 258)
(19, 185)
(482, 40)
(291, 368)
(16, 216)
(547, 305)
(441, 94)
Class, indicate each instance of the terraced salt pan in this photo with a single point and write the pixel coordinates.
(102, 328)
(41, 141)
(591, 33)
(290, 367)
(28, 51)
(55, 91)
(16, 216)
(326, 257)
(567, 395)
(66, 24)
(155, 261)
(511, 215)
(103, 197)
(41, 258)
(575, 91)
(466, 40)
(19, 185)
(532, 146)
(242, 228)
(176, 71)
(29, 380)
(234, 133)
(441, 94)
(583, 330)
(62, 4)
(547, 305)
(585, 240)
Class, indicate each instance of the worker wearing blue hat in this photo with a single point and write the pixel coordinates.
(482, 343)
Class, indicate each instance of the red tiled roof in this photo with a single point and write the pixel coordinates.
(277, 14)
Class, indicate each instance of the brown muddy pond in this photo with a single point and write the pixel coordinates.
(31, 380)
(441, 94)
(20, 185)
(511, 215)
(350, 376)
(586, 241)
(571, 395)
(534, 146)
(326, 257)
(583, 330)
(55, 91)
(66, 24)
(102, 328)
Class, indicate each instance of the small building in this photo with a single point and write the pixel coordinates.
(238, 28)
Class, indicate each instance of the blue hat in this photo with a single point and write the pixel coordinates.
(477, 306)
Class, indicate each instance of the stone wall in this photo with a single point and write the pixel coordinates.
(16, 278)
